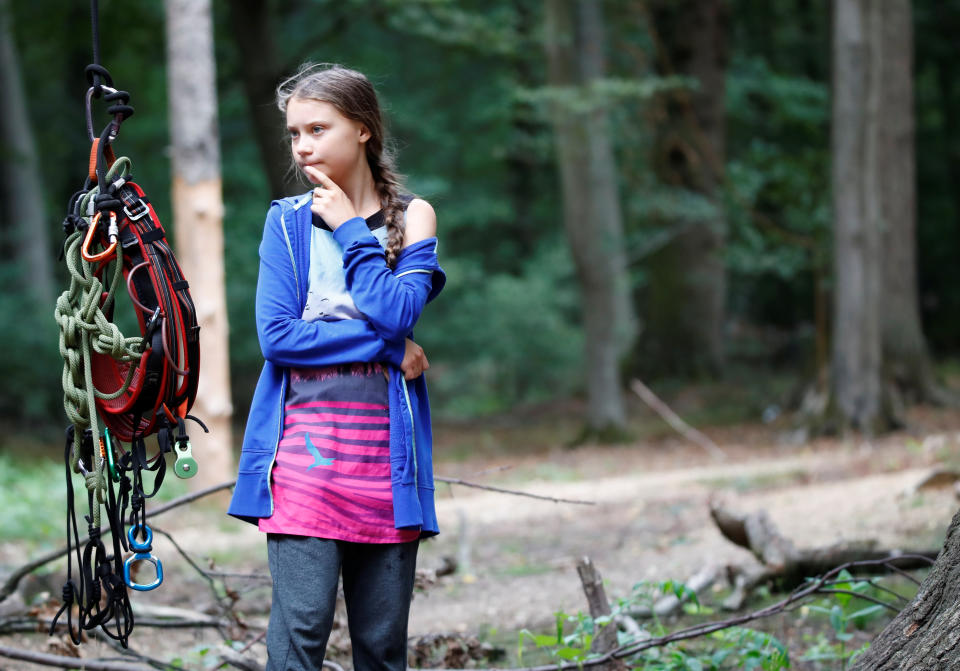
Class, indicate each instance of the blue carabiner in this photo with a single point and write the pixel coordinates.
(141, 553)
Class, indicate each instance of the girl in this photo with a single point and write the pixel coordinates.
(336, 464)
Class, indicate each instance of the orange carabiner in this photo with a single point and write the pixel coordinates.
(111, 232)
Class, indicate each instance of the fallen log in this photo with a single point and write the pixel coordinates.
(787, 566)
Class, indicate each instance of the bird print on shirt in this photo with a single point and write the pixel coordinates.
(317, 459)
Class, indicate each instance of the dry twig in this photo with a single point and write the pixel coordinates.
(673, 419)
(457, 481)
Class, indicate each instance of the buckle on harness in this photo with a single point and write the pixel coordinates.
(141, 210)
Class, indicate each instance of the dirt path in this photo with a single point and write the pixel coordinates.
(654, 524)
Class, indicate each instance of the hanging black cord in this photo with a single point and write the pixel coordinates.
(99, 79)
(95, 24)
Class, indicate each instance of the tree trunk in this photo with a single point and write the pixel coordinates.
(591, 207)
(261, 72)
(905, 355)
(685, 301)
(856, 360)
(198, 217)
(925, 636)
(20, 186)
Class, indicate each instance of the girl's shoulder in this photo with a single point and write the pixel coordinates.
(421, 221)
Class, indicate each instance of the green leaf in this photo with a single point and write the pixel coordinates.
(865, 612)
(837, 621)
(568, 652)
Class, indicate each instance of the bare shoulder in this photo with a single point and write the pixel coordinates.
(421, 222)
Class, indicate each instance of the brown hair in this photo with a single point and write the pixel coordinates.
(354, 97)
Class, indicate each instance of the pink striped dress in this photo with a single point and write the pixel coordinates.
(331, 477)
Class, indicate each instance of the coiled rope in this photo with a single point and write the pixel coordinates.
(81, 314)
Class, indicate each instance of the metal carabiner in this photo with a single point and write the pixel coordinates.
(112, 233)
(106, 446)
(141, 553)
(88, 104)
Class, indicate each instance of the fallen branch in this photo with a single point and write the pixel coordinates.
(668, 604)
(130, 652)
(809, 588)
(10, 585)
(67, 662)
(673, 419)
(457, 481)
(26, 624)
(788, 566)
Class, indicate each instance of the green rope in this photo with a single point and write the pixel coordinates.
(85, 329)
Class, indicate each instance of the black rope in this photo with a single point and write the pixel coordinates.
(95, 25)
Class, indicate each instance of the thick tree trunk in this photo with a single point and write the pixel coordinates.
(856, 357)
(925, 636)
(905, 355)
(687, 290)
(24, 221)
(198, 221)
(261, 72)
(591, 205)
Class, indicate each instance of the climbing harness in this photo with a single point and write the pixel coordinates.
(119, 389)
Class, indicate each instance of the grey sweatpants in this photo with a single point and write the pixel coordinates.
(377, 587)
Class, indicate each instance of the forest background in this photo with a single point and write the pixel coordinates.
(626, 190)
(465, 88)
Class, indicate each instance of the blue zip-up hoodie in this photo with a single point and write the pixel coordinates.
(392, 302)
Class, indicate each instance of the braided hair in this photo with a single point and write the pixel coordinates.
(354, 97)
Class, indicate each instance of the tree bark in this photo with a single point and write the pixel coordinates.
(685, 302)
(20, 186)
(925, 636)
(198, 220)
(591, 206)
(856, 346)
(905, 355)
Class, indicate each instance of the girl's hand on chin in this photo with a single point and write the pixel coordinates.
(329, 200)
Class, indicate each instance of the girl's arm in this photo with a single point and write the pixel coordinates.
(285, 338)
(392, 300)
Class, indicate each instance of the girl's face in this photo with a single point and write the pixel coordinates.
(320, 136)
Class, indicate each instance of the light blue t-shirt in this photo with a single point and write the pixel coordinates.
(327, 295)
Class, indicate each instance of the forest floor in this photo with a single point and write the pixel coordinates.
(649, 521)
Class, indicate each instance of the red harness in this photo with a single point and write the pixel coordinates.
(164, 382)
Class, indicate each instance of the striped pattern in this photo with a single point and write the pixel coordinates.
(331, 477)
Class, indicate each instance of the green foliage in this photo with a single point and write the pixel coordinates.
(32, 496)
(849, 606)
(489, 316)
(733, 648)
(463, 88)
(30, 363)
(778, 204)
(845, 612)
